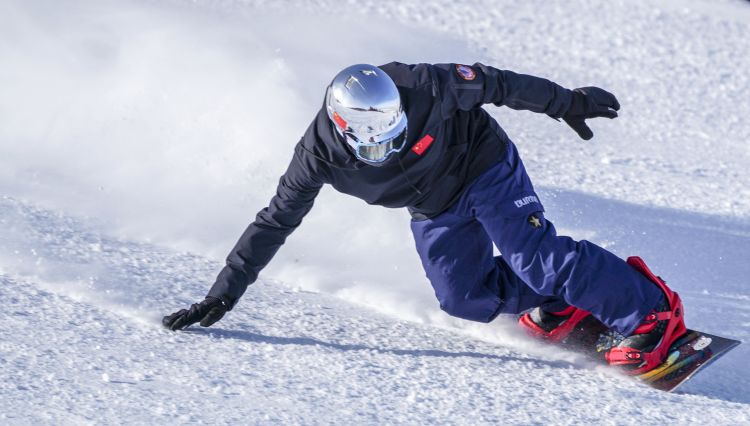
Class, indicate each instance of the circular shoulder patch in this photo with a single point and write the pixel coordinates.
(465, 72)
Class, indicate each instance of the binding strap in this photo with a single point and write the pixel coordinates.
(624, 356)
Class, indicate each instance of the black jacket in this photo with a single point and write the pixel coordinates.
(450, 141)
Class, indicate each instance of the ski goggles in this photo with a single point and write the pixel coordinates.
(377, 149)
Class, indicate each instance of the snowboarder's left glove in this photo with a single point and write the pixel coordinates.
(207, 312)
(589, 102)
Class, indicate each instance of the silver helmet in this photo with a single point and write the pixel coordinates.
(365, 107)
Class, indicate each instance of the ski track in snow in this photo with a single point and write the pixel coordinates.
(81, 344)
(83, 293)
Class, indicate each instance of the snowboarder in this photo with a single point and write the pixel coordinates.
(416, 136)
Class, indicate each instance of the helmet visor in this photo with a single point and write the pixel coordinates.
(378, 152)
(378, 148)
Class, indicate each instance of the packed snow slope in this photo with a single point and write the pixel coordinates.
(138, 139)
(82, 344)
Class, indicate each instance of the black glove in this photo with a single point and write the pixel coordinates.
(589, 102)
(207, 312)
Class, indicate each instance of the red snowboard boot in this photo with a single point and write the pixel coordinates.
(648, 345)
(555, 327)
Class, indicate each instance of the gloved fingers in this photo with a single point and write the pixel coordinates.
(584, 132)
(615, 105)
(181, 322)
(607, 100)
(181, 319)
(207, 312)
(606, 113)
(212, 316)
(600, 97)
(580, 127)
(169, 320)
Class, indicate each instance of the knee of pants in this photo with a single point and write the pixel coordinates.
(453, 306)
(465, 311)
(478, 305)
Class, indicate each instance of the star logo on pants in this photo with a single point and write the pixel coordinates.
(534, 221)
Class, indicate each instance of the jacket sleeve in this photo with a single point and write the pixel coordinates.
(464, 87)
(294, 198)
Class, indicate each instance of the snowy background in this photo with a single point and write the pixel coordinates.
(138, 139)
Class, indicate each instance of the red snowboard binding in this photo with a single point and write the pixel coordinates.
(553, 327)
(647, 347)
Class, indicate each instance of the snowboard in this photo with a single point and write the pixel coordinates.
(687, 356)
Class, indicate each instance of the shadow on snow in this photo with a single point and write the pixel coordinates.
(308, 341)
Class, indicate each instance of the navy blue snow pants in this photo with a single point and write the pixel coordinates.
(537, 267)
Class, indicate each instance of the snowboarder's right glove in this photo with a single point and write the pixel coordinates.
(589, 102)
(207, 312)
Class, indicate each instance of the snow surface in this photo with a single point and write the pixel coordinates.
(138, 138)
